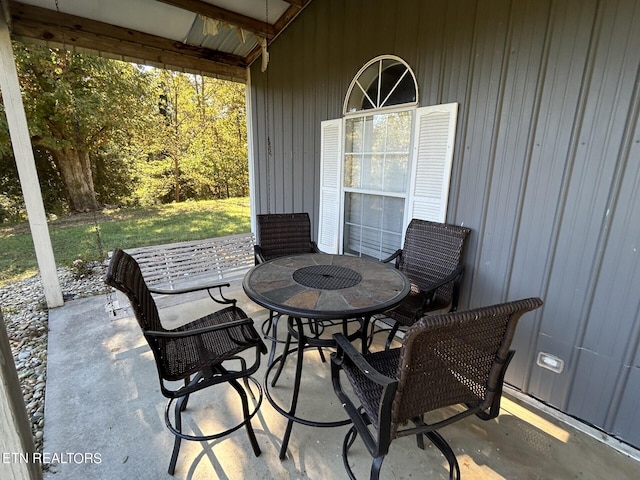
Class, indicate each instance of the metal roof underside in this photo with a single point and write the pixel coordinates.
(219, 38)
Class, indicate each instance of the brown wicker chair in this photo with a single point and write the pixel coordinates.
(200, 353)
(280, 234)
(450, 359)
(277, 235)
(432, 259)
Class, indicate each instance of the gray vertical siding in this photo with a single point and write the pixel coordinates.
(546, 167)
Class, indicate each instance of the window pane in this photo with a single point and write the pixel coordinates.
(392, 73)
(366, 82)
(372, 211)
(379, 141)
(404, 93)
(393, 215)
(352, 239)
(354, 129)
(368, 135)
(372, 173)
(370, 243)
(353, 207)
(373, 224)
(390, 243)
(396, 86)
(352, 169)
(395, 173)
(399, 132)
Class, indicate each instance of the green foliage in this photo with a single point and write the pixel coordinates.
(150, 136)
(202, 150)
(11, 202)
(11, 205)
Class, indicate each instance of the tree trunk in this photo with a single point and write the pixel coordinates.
(75, 170)
(176, 179)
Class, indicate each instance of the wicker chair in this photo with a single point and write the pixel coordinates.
(450, 359)
(200, 353)
(277, 235)
(432, 259)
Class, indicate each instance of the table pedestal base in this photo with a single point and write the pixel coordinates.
(304, 342)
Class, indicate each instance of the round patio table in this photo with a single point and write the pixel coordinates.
(315, 288)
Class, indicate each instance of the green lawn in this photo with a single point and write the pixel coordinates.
(75, 237)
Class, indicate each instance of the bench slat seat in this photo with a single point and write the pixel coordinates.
(187, 264)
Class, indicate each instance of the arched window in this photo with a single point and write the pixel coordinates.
(383, 82)
(385, 162)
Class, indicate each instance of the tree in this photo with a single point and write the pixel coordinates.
(108, 132)
(77, 104)
(204, 140)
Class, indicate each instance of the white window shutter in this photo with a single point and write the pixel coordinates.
(330, 185)
(434, 137)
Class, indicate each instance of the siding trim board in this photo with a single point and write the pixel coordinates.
(545, 168)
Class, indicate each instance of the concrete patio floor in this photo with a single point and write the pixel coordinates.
(105, 418)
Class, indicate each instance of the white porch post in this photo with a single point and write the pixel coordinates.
(16, 441)
(23, 153)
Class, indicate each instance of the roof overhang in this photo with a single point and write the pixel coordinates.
(219, 38)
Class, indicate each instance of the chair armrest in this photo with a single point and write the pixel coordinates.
(346, 349)
(394, 255)
(257, 255)
(198, 331)
(314, 247)
(429, 291)
(443, 281)
(377, 444)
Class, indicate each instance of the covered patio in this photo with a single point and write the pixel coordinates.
(543, 169)
(104, 412)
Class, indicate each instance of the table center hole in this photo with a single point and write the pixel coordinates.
(327, 277)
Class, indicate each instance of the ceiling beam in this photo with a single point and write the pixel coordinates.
(287, 17)
(252, 25)
(5, 12)
(297, 3)
(49, 26)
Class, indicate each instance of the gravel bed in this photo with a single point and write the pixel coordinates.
(27, 320)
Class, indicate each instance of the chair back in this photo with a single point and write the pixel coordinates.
(125, 275)
(280, 234)
(456, 358)
(432, 251)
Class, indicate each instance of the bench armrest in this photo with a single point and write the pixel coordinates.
(195, 288)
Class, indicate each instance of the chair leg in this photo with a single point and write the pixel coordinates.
(420, 436)
(375, 468)
(181, 404)
(445, 448)
(392, 334)
(243, 366)
(376, 464)
(184, 400)
(349, 438)
(245, 413)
